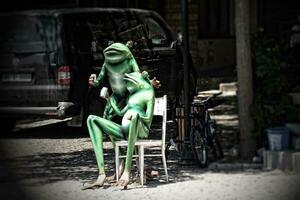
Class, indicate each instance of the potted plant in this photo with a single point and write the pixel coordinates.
(272, 106)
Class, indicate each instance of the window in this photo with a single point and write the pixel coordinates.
(89, 31)
(23, 34)
(156, 34)
(215, 18)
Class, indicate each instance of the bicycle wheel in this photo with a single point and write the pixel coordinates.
(213, 141)
(218, 147)
(199, 148)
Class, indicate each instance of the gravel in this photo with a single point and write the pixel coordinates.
(52, 163)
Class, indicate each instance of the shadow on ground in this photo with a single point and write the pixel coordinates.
(81, 166)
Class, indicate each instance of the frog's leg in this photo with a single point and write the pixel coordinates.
(136, 128)
(96, 126)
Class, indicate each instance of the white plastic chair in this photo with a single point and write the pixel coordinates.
(160, 109)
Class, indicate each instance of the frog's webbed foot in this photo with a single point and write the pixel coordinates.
(98, 183)
(124, 180)
(111, 179)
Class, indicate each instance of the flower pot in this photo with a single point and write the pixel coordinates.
(278, 138)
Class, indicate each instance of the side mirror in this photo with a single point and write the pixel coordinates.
(179, 39)
(177, 42)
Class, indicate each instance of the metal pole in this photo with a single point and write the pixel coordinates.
(185, 39)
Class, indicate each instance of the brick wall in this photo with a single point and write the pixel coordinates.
(208, 54)
(173, 18)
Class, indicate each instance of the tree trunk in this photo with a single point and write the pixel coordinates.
(244, 76)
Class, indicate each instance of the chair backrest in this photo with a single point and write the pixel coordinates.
(160, 108)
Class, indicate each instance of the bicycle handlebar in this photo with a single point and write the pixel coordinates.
(206, 100)
(209, 101)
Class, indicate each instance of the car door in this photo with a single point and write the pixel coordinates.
(164, 61)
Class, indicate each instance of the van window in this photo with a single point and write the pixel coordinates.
(156, 34)
(87, 35)
(25, 34)
(136, 35)
(89, 31)
(129, 29)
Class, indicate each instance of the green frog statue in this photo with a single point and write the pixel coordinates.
(118, 60)
(136, 121)
(132, 97)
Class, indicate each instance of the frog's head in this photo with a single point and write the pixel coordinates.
(116, 53)
(137, 81)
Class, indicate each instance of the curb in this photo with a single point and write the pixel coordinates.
(235, 166)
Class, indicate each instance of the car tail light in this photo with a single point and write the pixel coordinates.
(64, 75)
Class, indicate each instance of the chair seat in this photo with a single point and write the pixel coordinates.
(146, 143)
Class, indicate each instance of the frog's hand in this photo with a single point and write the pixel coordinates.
(123, 111)
(147, 118)
(156, 83)
(101, 76)
(114, 103)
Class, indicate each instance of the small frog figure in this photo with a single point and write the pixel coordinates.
(136, 122)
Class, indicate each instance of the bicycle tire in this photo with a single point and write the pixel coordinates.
(214, 143)
(218, 147)
(199, 148)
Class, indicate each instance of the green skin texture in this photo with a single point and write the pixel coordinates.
(136, 121)
(118, 61)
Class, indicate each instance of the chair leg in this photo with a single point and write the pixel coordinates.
(141, 163)
(117, 161)
(165, 165)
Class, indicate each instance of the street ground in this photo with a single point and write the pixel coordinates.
(53, 162)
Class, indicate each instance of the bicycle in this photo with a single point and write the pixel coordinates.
(203, 134)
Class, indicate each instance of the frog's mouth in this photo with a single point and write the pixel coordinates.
(114, 55)
(127, 77)
(112, 50)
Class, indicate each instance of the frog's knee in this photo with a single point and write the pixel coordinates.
(91, 118)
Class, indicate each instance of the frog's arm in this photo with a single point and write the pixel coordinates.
(114, 105)
(100, 76)
(149, 111)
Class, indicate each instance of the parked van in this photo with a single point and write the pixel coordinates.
(46, 57)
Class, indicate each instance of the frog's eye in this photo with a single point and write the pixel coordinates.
(145, 74)
(129, 44)
(110, 42)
